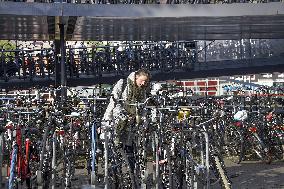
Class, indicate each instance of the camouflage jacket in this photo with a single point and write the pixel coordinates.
(117, 108)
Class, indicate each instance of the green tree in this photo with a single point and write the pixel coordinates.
(7, 45)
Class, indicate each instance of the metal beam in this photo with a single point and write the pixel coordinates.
(135, 11)
(62, 63)
(141, 10)
(30, 9)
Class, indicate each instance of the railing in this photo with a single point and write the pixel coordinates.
(120, 59)
(96, 61)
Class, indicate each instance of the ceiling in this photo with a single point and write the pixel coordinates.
(173, 29)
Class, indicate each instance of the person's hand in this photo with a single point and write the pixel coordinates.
(104, 125)
(130, 118)
(101, 130)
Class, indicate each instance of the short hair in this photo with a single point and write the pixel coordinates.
(143, 72)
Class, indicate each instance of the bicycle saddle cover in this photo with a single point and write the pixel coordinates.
(241, 115)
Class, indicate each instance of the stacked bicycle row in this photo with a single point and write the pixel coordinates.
(95, 61)
(179, 142)
(83, 60)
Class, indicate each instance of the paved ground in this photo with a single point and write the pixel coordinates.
(256, 175)
(253, 175)
(247, 175)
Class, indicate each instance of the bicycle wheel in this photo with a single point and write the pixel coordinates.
(276, 148)
(93, 151)
(44, 172)
(277, 151)
(67, 167)
(1, 156)
(234, 141)
(12, 184)
(31, 165)
(261, 150)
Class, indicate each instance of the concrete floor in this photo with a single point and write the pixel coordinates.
(247, 175)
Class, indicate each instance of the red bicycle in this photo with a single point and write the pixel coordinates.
(23, 156)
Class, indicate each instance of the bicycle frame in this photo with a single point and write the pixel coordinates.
(93, 149)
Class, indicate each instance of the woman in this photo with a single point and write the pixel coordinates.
(126, 91)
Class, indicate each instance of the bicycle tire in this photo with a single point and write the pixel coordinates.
(43, 171)
(12, 183)
(1, 155)
(260, 149)
(276, 148)
(235, 145)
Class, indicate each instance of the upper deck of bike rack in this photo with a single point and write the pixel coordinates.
(155, 22)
